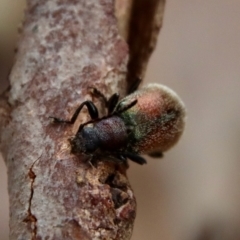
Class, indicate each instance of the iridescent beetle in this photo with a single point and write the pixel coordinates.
(147, 121)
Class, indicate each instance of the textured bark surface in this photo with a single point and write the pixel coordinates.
(66, 47)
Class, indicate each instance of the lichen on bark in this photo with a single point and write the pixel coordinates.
(65, 47)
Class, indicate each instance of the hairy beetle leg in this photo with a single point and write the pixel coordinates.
(122, 108)
(156, 154)
(58, 120)
(110, 103)
(132, 156)
(135, 158)
(135, 85)
(92, 110)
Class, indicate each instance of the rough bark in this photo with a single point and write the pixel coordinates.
(66, 47)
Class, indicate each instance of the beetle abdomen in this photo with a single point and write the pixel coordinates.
(157, 120)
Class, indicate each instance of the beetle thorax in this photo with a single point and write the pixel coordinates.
(107, 134)
(112, 133)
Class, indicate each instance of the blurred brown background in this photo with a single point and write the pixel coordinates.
(193, 193)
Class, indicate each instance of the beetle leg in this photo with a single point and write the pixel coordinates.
(121, 157)
(91, 109)
(135, 85)
(134, 157)
(110, 103)
(123, 107)
(86, 123)
(156, 154)
(90, 162)
(99, 94)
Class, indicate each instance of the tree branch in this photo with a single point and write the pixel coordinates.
(66, 47)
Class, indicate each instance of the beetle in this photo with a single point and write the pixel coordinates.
(147, 121)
